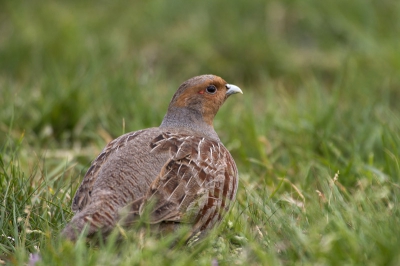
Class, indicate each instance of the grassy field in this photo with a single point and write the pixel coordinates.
(316, 135)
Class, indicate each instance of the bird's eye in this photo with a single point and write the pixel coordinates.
(211, 89)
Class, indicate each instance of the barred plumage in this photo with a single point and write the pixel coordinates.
(181, 168)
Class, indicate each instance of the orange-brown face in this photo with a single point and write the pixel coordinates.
(203, 93)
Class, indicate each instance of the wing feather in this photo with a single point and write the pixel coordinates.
(192, 186)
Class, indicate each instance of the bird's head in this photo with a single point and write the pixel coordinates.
(203, 94)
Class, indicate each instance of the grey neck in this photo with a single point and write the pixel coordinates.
(190, 119)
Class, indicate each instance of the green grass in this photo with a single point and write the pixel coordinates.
(316, 135)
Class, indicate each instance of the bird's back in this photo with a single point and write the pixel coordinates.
(124, 170)
(193, 177)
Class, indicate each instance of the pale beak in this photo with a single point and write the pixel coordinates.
(232, 89)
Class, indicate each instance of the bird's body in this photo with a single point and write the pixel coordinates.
(181, 167)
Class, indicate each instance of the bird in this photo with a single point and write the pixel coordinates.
(178, 174)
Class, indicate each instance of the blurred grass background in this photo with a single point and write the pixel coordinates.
(321, 82)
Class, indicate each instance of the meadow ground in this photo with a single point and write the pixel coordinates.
(316, 135)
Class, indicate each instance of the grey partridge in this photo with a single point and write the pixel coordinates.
(180, 172)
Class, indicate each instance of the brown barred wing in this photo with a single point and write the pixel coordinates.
(195, 186)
